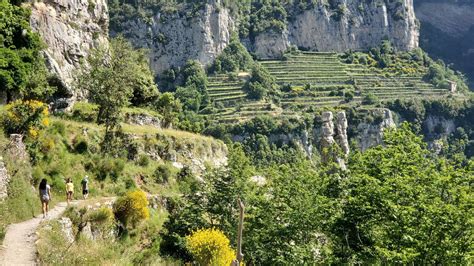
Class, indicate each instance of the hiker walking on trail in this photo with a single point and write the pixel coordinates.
(45, 196)
(69, 190)
(85, 187)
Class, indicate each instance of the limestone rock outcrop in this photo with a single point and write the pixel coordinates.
(16, 148)
(270, 44)
(175, 39)
(142, 120)
(4, 179)
(349, 25)
(327, 130)
(70, 29)
(355, 25)
(370, 134)
(66, 229)
(341, 133)
(334, 133)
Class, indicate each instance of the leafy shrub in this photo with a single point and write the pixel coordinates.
(80, 144)
(25, 117)
(102, 215)
(143, 160)
(162, 174)
(58, 127)
(260, 84)
(210, 247)
(370, 98)
(349, 96)
(235, 57)
(109, 167)
(132, 208)
(86, 112)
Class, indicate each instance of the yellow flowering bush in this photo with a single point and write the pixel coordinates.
(26, 117)
(210, 247)
(132, 208)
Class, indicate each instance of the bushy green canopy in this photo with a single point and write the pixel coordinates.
(22, 68)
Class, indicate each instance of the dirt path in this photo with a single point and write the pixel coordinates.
(19, 243)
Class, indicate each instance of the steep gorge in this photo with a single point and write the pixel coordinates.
(448, 35)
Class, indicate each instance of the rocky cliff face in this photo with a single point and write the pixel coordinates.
(371, 133)
(356, 25)
(174, 39)
(4, 179)
(350, 25)
(70, 29)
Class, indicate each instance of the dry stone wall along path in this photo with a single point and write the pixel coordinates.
(19, 243)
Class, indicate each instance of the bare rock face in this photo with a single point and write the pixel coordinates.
(175, 39)
(17, 148)
(142, 120)
(439, 127)
(70, 29)
(4, 179)
(455, 20)
(334, 134)
(371, 134)
(66, 228)
(362, 25)
(350, 25)
(327, 129)
(270, 44)
(341, 133)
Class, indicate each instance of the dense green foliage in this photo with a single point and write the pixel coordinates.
(460, 142)
(261, 84)
(404, 206)
(414, 209)
(235, 57)
(22, 69)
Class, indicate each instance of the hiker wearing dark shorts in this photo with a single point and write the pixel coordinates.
(45, 196)
(85, 187)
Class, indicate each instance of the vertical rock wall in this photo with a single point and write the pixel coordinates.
(174, 39)
(362, 25)
(334, 133)
(70, 29)
(4, 179)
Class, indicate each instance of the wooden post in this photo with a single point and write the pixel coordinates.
(240, 256)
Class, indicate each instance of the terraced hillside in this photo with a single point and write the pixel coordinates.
(317, 80)
(230, 98)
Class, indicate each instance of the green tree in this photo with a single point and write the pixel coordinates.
(404, 206)
(112, 76)
(23, 72)
(261, 84)
(235, 57)
(169, 108)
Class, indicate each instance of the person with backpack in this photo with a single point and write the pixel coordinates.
(45, 196)
(85, 187)
(69, 190)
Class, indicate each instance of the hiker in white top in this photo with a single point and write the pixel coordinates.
(45, 196)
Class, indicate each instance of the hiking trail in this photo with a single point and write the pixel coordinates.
(19, 244)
